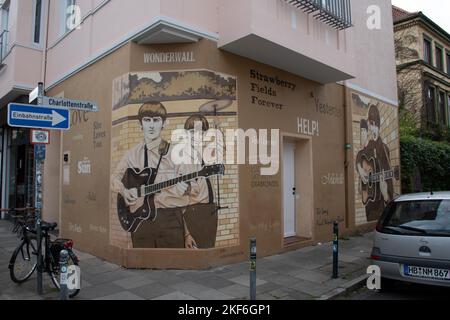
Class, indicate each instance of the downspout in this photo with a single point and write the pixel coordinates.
(44, 61)
(346, 161)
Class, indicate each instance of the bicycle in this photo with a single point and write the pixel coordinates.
(23, 261)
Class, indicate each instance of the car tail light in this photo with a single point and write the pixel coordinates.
(68, 244)
(376, 254)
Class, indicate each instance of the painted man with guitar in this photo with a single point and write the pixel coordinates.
(374, 167)
(153, 192)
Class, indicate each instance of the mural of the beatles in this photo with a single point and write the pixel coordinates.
(374, 167)
(186, 212)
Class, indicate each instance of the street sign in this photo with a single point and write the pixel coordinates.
(40, 136)
(33, 94)
(30, 116)
(70, 104)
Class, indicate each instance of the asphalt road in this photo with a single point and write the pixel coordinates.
(402, 291)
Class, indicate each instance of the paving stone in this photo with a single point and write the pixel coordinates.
(214, 282)
(124, 295)
(245, 281)
(175, 296)
(267, 287)
(313, 276)
(100, 290)
(190, 287)
(133, 282)
(313, 289)
(151, 291)
(236, 291)
(105, 277)
(282, 280)
(265, 296)
(348, 258)
(212, 295)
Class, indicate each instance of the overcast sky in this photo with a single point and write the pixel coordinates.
(436, 10)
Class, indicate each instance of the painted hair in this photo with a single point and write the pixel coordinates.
(364, 124)
(152, 110)
(190, 122)
(374, 115)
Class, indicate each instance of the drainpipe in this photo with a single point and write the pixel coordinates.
(44, 60)
(346, 163)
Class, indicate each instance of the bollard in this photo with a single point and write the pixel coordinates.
(253, 269)
(63, 258)
(335, 249)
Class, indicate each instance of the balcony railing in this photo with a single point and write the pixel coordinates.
(335, 13)
(3, 45)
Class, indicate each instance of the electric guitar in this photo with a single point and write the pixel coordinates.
(371, 189)
(130, 217)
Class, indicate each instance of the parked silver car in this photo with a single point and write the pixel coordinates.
(412, 240)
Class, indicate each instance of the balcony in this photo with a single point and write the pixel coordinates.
(306, 38)
(335, 13)
(3, 47)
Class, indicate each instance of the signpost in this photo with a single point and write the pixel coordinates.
(49, 113)
(39, 156)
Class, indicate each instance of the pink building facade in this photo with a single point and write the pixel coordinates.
(269, 64)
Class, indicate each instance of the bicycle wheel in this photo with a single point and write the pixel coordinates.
(23, 261)
(55, 274)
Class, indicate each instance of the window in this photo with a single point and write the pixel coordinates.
(66, 15)
(439, 58)
(427, 218)
(448, 63)
(427, 51)
(431, 105)
(448, 109)
(442, 113)
(37, 21)
(4, 32)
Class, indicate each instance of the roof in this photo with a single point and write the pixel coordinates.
(424, 196)
(399, 13)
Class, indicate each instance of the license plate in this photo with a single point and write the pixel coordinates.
(426, 273)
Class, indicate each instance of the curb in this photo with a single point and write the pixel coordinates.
(345, 288)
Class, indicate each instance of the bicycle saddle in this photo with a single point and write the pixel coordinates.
(48, 226)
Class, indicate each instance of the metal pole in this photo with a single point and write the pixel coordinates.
(253, 269)
(335, 249)
(38, 198)
(63, 258)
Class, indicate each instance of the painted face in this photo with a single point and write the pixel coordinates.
(375, 130)
(152, 127)
(364, 139)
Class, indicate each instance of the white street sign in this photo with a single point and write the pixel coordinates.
(63, 103)
(34, 94)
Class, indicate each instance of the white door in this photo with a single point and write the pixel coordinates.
(289, 189)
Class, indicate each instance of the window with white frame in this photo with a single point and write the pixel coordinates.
(37, 17)
(4, 16)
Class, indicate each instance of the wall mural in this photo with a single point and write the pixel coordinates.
(156, 203)
(376, 144)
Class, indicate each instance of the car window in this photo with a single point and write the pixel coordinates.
(430, 215)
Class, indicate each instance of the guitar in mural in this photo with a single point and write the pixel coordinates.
(371, 189)
(132, 216)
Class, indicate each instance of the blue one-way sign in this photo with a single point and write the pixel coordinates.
(31, 116)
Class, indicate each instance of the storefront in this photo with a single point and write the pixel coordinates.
(324, 135)
(16, 169)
